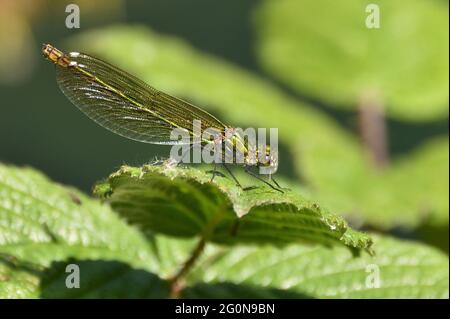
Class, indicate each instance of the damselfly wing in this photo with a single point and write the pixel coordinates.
(131, 108)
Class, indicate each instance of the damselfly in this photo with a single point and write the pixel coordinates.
(131, 108)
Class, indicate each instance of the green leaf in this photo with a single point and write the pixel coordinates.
(116, 262)
(427, 166)
(411, 192)
(341, 61)
(42, 222)
(402, 270)
(183, 202)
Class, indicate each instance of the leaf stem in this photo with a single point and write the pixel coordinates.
(176, 287)
(175, 280)
(372, 129)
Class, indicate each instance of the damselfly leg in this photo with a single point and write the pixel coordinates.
(215, 172)
(277, 187)
(232, 175)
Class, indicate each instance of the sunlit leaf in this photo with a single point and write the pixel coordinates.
(399, 270)
(115, 261)
(183, 202)
(42, 222)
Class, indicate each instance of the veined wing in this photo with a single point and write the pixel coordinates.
(126, 105)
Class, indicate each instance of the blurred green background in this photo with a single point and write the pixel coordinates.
(310, 68)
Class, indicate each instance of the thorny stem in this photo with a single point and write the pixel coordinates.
(372, 128)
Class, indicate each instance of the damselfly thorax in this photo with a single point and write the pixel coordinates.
(235, 146)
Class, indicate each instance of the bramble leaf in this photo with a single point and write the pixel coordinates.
(46, 226)
(183, 202)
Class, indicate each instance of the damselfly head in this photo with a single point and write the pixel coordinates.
(268, 158)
